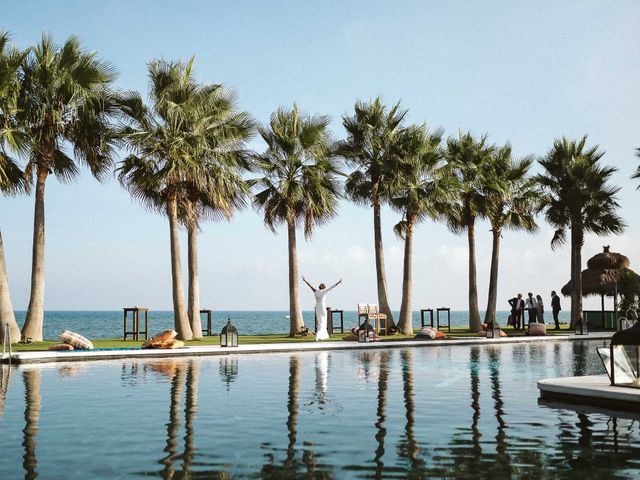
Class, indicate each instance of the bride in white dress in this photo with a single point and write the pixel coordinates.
(321, 307)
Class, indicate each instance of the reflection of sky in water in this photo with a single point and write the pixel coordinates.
(430, 412)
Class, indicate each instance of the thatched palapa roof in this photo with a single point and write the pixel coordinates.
(601, 276)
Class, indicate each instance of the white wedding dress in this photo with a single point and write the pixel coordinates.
(321, 312)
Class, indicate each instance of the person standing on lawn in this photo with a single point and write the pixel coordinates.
(517, 305)
(321, 307)
(555, 308)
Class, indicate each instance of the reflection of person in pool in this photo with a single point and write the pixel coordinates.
(321, 307)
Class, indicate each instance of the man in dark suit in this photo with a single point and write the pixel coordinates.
(555, 308)
(517, 306)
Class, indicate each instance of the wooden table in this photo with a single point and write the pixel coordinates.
(135, 333)
(422, 312)
(444, 309)
(330, 313)
(207, 331)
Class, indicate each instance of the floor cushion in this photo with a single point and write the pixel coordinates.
(161, 339)
(537, 329)
(76, 340)
(60, 347)
(426, 333)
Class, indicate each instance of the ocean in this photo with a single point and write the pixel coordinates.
(109, 324)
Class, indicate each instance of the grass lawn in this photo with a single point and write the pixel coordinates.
(456, 332)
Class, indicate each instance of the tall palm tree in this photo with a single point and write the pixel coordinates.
(469, 157)
(372, 147)
(422, 192)
(65, 111)
(300, 184)
(222, 190)
(178, 150)
(513, 200)
(578, 198)
(12, 179)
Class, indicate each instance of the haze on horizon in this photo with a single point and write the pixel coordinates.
(522, 73)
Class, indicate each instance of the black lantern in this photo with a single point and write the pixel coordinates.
(581, 327)
(365, 332)
(493, 329)
(229, 335)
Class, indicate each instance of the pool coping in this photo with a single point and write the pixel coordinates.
(46, 356)
(592, 390)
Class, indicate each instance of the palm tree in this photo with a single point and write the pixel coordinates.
(422, 192)
(12, 179)
(65, 105)
(222, 190)
(637, 172)
(579, 199)
(469, 157)
(182, 153)
(512, 202)
(372, 147)
(299, 184)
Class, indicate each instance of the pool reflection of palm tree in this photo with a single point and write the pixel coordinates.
(408, 446)
(474, 364)
(290, 465)
(190, 410)
(465, 454)
(381, 431)
(173, 426)
(32, 379)
(5, 377)
(503, 459)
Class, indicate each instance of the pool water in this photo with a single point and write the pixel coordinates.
(444, 412)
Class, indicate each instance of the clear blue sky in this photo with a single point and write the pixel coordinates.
(523, 72)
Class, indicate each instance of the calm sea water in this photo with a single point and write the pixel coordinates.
(448, 412)
(105, 324)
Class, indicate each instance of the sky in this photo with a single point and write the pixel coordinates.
(521, 72)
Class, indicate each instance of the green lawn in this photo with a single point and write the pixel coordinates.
(456, 332)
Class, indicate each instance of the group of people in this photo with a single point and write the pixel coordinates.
(535, 309)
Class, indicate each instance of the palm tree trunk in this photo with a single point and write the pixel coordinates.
(490, 314)
(180, 318)
(292, 408)
(32, 327)
(7, 317)
(190, 410)
(475, 324)
(577, 238)
(194, 282)
(405, 324)
(173, 426)
(383, 301)
(381, 431)
(295, 311)
(33, 403)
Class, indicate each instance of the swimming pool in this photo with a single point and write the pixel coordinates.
(452, 412)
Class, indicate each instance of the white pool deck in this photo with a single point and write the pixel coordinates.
(84, 355)
(594, 390)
